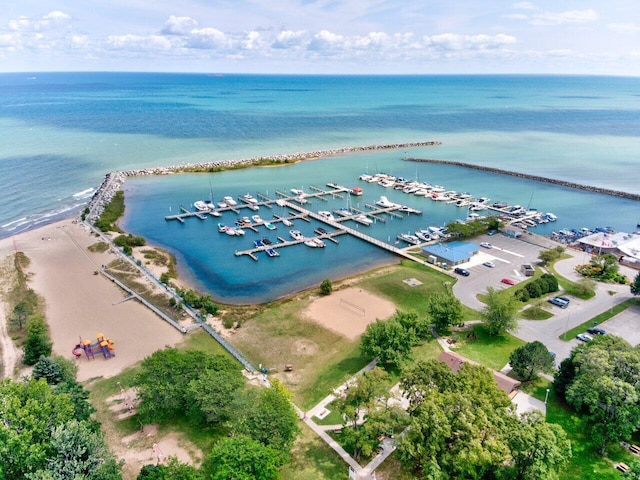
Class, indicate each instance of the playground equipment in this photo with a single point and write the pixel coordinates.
(102, 345)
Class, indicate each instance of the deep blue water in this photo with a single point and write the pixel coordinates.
(61, 132)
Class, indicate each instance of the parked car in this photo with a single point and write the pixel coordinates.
(596, 331)
(489, 264)
(562, 302)
(585, 337)
(462, 271)
(486, 245)
(491, 233)
(508, 281)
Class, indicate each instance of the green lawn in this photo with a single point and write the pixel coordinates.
(598, 319)
(491, 351)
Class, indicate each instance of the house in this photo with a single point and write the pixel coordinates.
(507, 384)
(453, 253)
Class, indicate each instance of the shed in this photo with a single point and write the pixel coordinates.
(505, 383)
(453, 253)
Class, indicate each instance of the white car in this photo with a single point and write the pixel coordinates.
(585, 337)
(489, 264)
(486, 245)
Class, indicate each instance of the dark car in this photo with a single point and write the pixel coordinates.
(462, 271)
(562, 302)
(596, 331)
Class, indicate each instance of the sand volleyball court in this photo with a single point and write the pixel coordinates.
(349, 311)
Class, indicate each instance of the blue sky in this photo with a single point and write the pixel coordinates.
(322, 36)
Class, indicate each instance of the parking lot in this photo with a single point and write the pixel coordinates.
(508, 255)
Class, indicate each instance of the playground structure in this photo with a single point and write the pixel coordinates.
(103, 345)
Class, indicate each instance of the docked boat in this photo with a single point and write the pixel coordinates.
(272, 252)
(386, 183)
(256, 219)
(222, 204)
(407, 209)
(384, 202)
(297, 192)
(258, 243)
(309, 242)
(321, 231)
(286, 222)
(423, 235)
(363, 219)
(230, 201)
(319, 243)
(269, 226)
(551, 217)
(201, 206)
(266, 241)
(296, 235)
(327, 215)
(343, 212)
(407, 237)
(248, 198)
(357, 191)
(365, 177)
(237, 231)
(222, 228)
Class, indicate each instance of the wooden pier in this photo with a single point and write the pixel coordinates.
(287, 243)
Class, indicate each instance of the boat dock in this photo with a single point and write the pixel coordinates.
(287, 243)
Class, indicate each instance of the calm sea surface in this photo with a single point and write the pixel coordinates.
(60, 133)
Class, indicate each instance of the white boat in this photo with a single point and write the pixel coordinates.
(327, 215)
(269, 226)
(407, 209)
(286, 222)
(272, 252)
(363, 219)
(256, 219)
(386, 183)
(201, 206)
(357, 191)
(319, 243)
(343, 212)
(384, 202)
(310, 243)
(296, 235)
(238, 231)
(365, 177)
(230, 201)
(297, 192)
(300, 199)
(551, 217)
(407, 237)
(423, 235)
(248, 198)
(222, 228)
(222, 204)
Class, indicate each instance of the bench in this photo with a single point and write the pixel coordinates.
(634, 449)
(623, 467)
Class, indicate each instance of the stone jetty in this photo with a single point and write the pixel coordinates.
(113, 181)
(563, 183)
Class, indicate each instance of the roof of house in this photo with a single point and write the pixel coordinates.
(453, 251)
(455, 361)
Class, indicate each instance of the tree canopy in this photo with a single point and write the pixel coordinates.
(241, 458)
(529, 359)
(444, 309)
(500, 311)
(462, 427)
(635, 286)
(601, 379)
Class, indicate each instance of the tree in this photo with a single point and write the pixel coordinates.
(500, 312)
(241, 458)
(173, 470)
(388, 341)
(48, 369)
(550, 255)
(37, 342)
(326, 287)
(214, 393)
(444, 309)
(268, 417)
(635, 286)
(529, 359)
(538, 449)
(606, 266)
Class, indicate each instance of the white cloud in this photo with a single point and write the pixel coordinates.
(136, 43)
(515, 16)
(79, 41)
(288, 39)
(571, 16)
(624, 28)
(206, 38)
(326, 41)
(524, 6)
(179, 25)
(453, 41)
(8, 40)
(253, 41)
(373, 40)
(49, 21)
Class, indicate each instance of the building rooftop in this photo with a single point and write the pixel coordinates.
(505, 383)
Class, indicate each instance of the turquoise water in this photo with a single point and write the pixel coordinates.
(61, 132)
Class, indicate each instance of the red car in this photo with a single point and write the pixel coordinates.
(508, 281)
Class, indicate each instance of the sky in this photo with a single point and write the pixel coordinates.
(322, 36)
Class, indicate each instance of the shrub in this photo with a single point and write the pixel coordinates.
(534, 289)
(326, 287)
(522, 295)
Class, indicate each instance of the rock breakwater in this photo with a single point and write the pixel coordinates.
(563, 183)
(113, 181)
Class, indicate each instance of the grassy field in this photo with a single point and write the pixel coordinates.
(490, 351)
(598, 319)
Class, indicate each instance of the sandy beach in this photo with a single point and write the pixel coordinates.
(80, 304)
